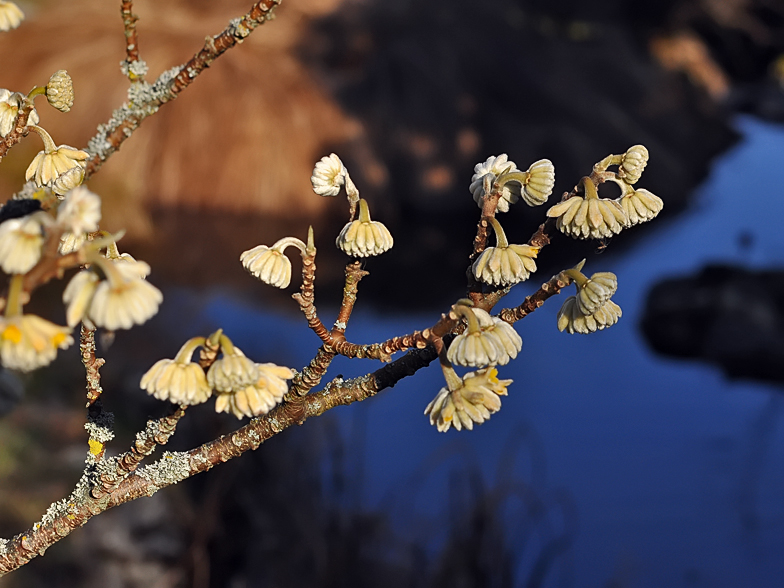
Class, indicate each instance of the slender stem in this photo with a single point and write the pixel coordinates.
(131, 40)
(49, 145)
(589, 187)
(185, 353)
(13, 306)
(500, 236)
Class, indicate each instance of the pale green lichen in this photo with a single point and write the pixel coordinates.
(136, 68)
(170, 469)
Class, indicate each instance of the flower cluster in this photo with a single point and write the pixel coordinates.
(504, 264)
(487, 340)
(591, 309)
(113, 294)
(589, 216)
(364, 237)
(463, 402)
(10, 15)
(534, 185)
(59, 91)
(269, 264)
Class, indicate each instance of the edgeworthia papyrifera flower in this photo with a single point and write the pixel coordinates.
(633, 163)
(592, 292)
(504, 264)
(485, 342)
(591, 309)
(487, 172)
(270, 264)
(590, 216)
(233, 371)
(21, 240)
(364, 237)
(258, 398)
(59, 91)
(537, 182)
(27, 341)
(178, 380)
(10, 15)
(53, 162)
(463, 402)
(640, 205)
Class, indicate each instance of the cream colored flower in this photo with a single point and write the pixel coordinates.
(504, 264)
(493, 167)
(178, 380)
(68, 181)
(328, 176)
(21, 240)
(364, 237)
(270, 264)
(503, 331)
(593, 292)
(233, 371)
(460, 404)
(258, 398)
(71, 242)
(641, 206)
(53, 161)
(10, 15)
(120, 301)
(540, 183)
(590, 217)
(28, 342)
(78, 295)
(484, 342)
(123, 304)
(130, 268)
(80, 211)
(59, 91)
(9, 110)
(571, 318)
(633, 163)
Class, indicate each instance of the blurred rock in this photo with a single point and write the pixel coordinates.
(727, 316)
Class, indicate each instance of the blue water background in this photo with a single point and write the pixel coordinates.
(676, 474)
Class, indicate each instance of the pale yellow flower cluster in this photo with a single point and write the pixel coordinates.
(591, 217)
(21, 240)
(463, 403)
(269, 264)
(591, 309)
(123, 299)
(28, 342)
(534, 185)
(364, 237)
(487, 341)
(10, 15)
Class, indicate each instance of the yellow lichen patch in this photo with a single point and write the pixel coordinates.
(96, 447)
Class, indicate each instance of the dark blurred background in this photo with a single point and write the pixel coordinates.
(611, 464)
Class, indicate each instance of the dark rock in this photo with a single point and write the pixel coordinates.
(727, 316)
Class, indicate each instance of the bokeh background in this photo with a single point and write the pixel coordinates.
(647, 455)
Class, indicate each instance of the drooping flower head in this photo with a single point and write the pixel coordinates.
(21, 240)
(27, 341)
(119, 301)
(485, 342)
(641, 205)
(269, 264)
(232, 371)
(590, 216)
(463, 402)
(53, 162)
(260, 397)
(591, 309)
(179, 380)
(328, 176)
(80, 211)
(493, 167)
(364, 237)
(633, 163)
(504, 264)
(10, 15)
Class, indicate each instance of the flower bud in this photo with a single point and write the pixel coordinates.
(633, 163)
(59, 91)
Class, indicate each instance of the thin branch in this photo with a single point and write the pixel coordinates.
(131, 40)
(145, 99)
(92, 364)
(550, 288)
